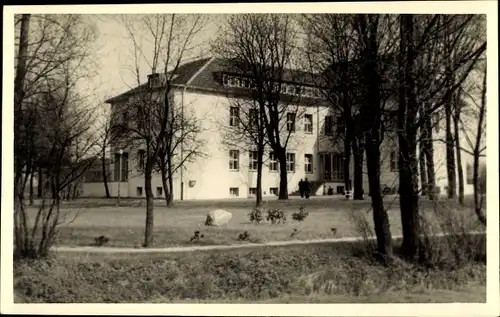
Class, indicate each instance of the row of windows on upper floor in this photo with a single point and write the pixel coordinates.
(284, 88)
(291, 120)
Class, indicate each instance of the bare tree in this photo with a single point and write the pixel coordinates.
(448, 49)
(331, 52)
(183, 131)
(475, 136)
(373, 44)
(152, 105)
(407, 138)
(457, 110)
(262, 46)
(460, 55)
(52, 133)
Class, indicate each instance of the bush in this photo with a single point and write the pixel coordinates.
(458, 247)
(276, 216)
(256, 215)
(301, 215)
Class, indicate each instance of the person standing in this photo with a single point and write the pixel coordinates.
(301, 188)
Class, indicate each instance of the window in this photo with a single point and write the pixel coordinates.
(159, 191)
(394, 161)
(328, 125)
(290, 162)
(340, 125)
(273, 191)
(232, 81)
(234, 114)
(308, 123)
(139, 191)
(308, 166)
(234, 191)
(253, 162)
(252, 191)
(234, 160)
(253, 118)
(338, 166)
(121, 161)
(273, 163)
(290, 122)
(140, 159)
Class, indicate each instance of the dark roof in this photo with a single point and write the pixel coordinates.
(210, 77)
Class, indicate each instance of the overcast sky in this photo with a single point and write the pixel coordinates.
(114, 54)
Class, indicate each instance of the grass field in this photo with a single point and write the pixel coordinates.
(316, 273)
(174, 226)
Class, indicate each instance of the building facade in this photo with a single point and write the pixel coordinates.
(205, 89)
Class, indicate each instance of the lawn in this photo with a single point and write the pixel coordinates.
(315, 273)
(124, 225)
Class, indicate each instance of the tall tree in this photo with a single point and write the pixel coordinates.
(474, 131)
(331, 54)
(370, 30)
(53, 135)
(263, 47)
(407, 138)
(172, 37)
(457, 110)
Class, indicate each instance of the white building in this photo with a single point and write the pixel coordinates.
(201, 89)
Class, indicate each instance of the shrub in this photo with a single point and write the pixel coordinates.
(301, 215)
(256, 215)
(100, 241)
(276, 216)
(243, 236)
(196, 236)
(458, 247)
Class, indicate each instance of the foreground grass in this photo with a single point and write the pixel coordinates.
(175, 226)
(306, 273)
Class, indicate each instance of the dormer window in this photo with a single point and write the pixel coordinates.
(284, 88)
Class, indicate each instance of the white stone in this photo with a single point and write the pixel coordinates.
(218, 217)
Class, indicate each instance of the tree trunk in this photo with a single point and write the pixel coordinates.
(148, 234)
(380, 216)
(371, 114)
(450, 153)
(475, 178)
(422, 162)
(166, 190)
(104, 174)
(429, 159)
(170, 172)
(456, 120)
(260, 163)
(283, 191)
(407, 142)
(348, 139)
(357, 150)
(347, 163)
(32, 174)
(19, 214)
(40, 183)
